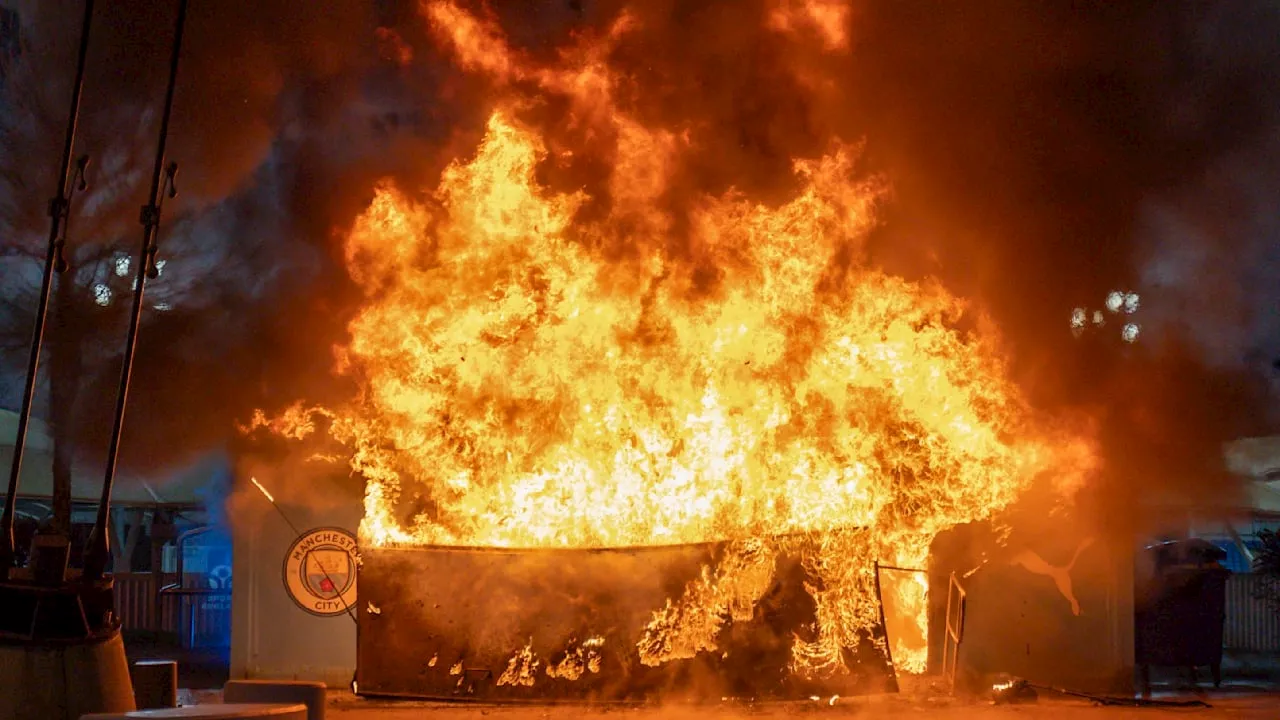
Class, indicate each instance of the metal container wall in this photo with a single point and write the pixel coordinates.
(1183, 624)
(1053, 607)
(452, 623)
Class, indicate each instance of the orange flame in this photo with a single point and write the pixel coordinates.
(521, 386)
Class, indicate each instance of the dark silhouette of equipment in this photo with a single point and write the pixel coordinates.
(61, 652)
(1180, 609)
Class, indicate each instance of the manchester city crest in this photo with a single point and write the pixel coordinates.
(320, 571)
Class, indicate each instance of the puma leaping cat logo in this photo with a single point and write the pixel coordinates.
(1061, 575)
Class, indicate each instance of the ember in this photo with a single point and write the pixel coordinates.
(525, 385)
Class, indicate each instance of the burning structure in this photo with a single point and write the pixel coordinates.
(619, 439)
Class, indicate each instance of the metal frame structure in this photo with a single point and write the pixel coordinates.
(956, 600)
(888, 642)
(162, 183)
(59, 217)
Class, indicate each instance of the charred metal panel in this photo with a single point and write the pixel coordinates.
(1052, 605)
(452, 623)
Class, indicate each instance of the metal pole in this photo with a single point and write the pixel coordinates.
(53, 261)
(884, 626)
(95, 560)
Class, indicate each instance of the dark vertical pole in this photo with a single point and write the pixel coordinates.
(884, 627)
(53, 261)
(95, 560)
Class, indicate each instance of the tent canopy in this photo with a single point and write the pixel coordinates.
(1255, 457)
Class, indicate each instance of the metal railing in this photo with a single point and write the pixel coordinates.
(172, 605)
(138, 602)
(204, 613)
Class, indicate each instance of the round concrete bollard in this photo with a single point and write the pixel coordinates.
(309, 693)
(155, 684)
(64, 682)
(232, 711)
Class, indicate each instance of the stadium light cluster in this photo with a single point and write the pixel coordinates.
(1121, 303)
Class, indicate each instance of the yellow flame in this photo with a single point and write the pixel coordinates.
(521, 668)
(579, 658)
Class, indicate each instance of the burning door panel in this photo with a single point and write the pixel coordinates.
(565, 624)
(1051, 607)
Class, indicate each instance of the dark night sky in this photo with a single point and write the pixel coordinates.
(1041, 154)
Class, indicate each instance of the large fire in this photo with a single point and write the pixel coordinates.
(533, 375)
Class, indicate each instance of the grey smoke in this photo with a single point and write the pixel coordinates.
(1210, 260)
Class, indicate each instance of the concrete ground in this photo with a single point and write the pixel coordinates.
(1236, 703)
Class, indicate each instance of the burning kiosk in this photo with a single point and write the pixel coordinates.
(614, 425)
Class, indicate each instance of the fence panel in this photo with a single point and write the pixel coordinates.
(137, 602)
(1252, 625)
(195, 620)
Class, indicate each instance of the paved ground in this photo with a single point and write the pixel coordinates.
(1238, 703)
(1251, 708)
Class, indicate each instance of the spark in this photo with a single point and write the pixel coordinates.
(263, 490)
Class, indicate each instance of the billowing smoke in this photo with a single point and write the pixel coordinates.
(1039, 159)
(1210, 256)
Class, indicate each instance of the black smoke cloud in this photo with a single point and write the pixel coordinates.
(1043, 156)
(1040, 154)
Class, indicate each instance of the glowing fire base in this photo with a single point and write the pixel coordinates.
(512, 625)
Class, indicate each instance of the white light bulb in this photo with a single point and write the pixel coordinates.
(1078, 318)
(1115, 300)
